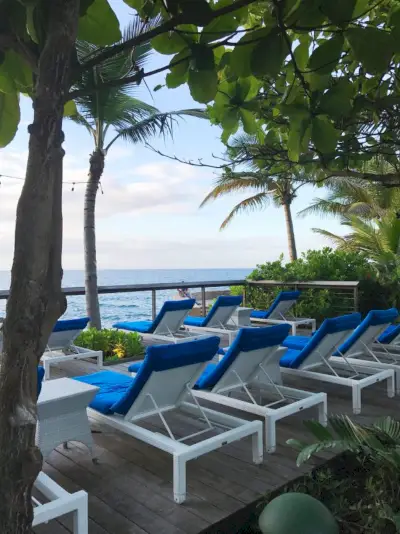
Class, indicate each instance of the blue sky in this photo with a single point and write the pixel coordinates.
(148, 216)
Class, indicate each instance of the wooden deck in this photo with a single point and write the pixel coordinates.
(130, 490)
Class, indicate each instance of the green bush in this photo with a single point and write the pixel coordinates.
(114, 343)
(327, 265)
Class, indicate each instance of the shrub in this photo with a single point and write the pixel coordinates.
(114, 343)
(328, 265)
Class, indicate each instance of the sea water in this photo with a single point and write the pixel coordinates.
(131, 306)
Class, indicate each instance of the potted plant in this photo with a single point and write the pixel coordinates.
(117, 346)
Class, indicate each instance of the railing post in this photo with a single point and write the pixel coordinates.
(244, 295)
(356, 304)
(203, 301)
(153, 304)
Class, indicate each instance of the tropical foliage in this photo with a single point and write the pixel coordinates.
(326, 264)
(115, 344)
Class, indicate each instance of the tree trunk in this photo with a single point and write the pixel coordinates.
(36, 300)
(290, 231)
(92, 298)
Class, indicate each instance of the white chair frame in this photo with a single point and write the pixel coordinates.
(166, 391)
(260, 370)
(60, 502)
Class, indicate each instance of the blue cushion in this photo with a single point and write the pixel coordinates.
(248, 339)
(117, 395)
(282, 296)
(71, 324)
(222, 301)
(135, 326)
(40, 376)
(296, 342)
(374, 318)
(113, 387)
(148, 327)
(195, 321)
(391, 332)
(294, 358)
(135, 366)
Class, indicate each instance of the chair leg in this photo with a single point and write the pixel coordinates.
(46, 366)
(257, 445)
(80, 519)
(391, 388)
(323, 412)
(270, 434)
(179, 479)
(356, 390)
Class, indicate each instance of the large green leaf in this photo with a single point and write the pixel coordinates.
(239, 60)
(70, 109)
(301, 54)
(145, 8)
(268, 55)
(297, 142)
(99, 25)
(202, 57)
(18, 70)
(249, 121)
(7, 84)
(337, 101)
(178, 74)
(372, 47)
(324, 58)
(218, 28)
(203, 85)
(9, 117)
(340, 12)
(168, 43)
(323, 134)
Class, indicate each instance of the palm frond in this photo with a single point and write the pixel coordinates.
(339, 241)
(249, 204)
(235, 182)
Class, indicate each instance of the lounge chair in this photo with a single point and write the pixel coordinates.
(58, 502)
(315, 360)
(61, 346)
(360, 348)
(167, 325)
(164, 383)
(250, 367)
(279, 312)
(389, 340)
(219, 319)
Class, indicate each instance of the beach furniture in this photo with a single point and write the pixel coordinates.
(248, 378)
(219, 319)
(51, 501)
(163, 384)
(61, 347)
(279, 312)
(167, 326)
(314, 359)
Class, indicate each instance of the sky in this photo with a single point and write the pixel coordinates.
(148, 216)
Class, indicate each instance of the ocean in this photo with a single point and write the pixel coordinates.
(131, 306)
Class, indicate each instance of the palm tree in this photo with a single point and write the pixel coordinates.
(379, 239)
(281, 190)
(113, 111)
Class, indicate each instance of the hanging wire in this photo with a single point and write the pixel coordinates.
(23, 179)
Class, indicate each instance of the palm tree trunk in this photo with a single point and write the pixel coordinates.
(92, 297)
(290, 231)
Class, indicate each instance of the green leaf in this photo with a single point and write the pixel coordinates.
(7, 84)
(158, 87)
(241, 54)
(99, 25)
(9, 117)
(301, 55)
(317, 82)
(372, 47)
(218, 28)
(230, 119)
(324, 58)
(16, 68)
(199, 11)
(203, 85)
(178, 74)
(337, 101)
(268, 55)
(339, 12)
(323, 134)
(249, 122)
(394, 22)
(298, 129)
(70, 109)
(202, 57)
(168, 43)
(145, 8)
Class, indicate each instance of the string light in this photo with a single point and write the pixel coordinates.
(73, 184)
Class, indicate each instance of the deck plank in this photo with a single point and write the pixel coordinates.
(130, 490)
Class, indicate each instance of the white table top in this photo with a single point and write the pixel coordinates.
(63, 388)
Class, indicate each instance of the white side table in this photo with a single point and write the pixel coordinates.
(52, 357)
(62, 414)
(241, 317)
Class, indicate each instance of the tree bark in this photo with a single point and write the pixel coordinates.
(36, 300)
(290, 231)
(92, 298)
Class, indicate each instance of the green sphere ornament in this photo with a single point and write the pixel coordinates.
(297, 513)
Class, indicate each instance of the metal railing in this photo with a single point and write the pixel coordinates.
(74, 291)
